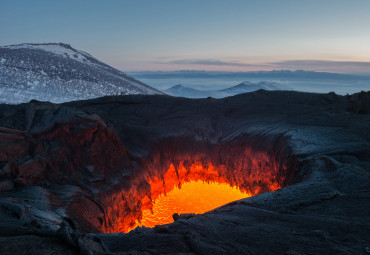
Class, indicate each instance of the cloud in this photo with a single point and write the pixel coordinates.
(209, 62)
(309, 65)
(325, 65)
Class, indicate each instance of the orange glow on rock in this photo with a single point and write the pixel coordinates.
(191, 186)
(195, 188)
(192, 197)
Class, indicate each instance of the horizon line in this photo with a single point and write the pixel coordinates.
(228, 71)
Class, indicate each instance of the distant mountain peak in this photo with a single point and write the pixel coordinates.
(177, 86)
(243, 84)
(36, 45)
(57, 72)
(61, 49)
(246, 86)
(65, 45)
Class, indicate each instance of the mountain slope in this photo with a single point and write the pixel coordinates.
(243, 87)
(58, 73)
(249, 87)
(182, 91)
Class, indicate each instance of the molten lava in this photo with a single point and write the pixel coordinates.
(192, 185)
(191, 197)
(195, 188)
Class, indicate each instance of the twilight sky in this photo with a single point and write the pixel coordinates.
(229, 35)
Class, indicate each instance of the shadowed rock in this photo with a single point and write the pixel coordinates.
(87, 163)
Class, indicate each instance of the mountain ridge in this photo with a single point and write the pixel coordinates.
(247, 74)
(58, 73)
(244, 87)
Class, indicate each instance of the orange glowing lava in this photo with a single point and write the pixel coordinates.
(192, 186)
(192, 197)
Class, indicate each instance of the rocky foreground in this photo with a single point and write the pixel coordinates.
(73, 174)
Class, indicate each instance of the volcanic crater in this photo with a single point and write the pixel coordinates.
(78, 176)
(253, 164)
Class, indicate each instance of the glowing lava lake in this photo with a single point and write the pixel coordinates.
(193, 189)
(191, 197)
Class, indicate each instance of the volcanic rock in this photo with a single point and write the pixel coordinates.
(71, 175)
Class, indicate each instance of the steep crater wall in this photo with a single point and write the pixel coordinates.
(88, 172)
(254, 164)
(66, 172)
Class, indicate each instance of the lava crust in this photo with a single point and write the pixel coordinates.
(70, 174)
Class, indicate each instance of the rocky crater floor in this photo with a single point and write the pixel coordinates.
(75, 177)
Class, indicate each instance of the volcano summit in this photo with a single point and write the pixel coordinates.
(58, 73)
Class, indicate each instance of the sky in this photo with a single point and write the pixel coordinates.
(228, 35)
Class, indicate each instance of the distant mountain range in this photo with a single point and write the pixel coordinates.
(308, 81)
(58, 73)
(275, 74)
(182, 91)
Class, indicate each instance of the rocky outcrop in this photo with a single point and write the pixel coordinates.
(83, 163)
(73, 170)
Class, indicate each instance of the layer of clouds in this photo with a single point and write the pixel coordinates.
(309, 65)
(322, 63)
(209, 62)
(325, 65)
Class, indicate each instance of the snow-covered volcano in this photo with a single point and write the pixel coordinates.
(58, 73)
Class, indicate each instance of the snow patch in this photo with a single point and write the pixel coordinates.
(57, 49)
(54, 78)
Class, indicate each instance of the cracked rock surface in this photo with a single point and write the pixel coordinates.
(71, 171)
